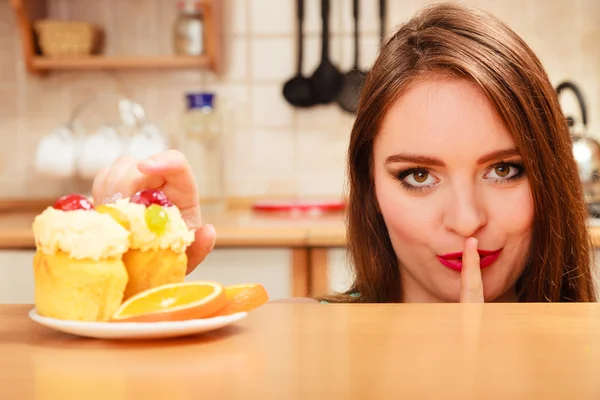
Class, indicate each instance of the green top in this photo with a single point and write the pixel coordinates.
(354, 294)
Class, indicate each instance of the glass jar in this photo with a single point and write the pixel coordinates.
(203, 144)
(188, 30)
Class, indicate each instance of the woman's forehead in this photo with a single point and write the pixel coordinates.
(445, 116)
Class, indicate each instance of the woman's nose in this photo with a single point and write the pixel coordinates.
(465, 214)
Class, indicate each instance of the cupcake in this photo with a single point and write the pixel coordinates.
(79, 272)
(158, 243)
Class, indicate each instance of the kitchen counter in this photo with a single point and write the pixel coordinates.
(316, 351)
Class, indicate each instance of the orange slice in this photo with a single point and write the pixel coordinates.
(244, 297)
(173, 302)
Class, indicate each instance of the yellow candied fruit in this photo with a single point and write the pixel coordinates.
(116, 214)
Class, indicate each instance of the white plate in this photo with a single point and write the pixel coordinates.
(137, 330)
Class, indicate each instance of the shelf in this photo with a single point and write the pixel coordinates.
(117, 62)
(28, 11)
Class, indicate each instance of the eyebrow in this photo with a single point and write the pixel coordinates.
(426, 160)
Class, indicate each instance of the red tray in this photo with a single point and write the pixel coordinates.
(299, 205)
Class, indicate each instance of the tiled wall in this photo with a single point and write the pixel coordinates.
(275, 148)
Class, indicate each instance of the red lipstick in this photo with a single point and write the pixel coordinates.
(454, 260)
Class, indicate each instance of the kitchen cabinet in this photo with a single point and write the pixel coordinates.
(269, 267)
(16, 276)
(28, 11)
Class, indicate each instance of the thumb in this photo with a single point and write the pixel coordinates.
(203, 244)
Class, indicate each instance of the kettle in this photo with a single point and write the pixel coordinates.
(586, 151)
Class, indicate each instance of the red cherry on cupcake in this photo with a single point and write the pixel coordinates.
(151, 196)
(73, 202)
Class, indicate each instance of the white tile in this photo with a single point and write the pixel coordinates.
(321, 185)
(8, 23)
(272, 17)
(318, 117)
(9, 130)
(369, 50)
(167, 15)
(273, 59)
(234, 100)
(235, 14)
(10, 54)
(236, 60)
(321, 162)
(270, 109)
(58, 9)
(517, 14)
(238, 161)
(398, 12)
(95, 12)
(273, 154)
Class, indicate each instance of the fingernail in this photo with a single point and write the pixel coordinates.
(149, 162)
(112, 198)
(211, 229)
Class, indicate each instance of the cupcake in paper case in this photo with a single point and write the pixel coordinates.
(78, 269)
(159, 240)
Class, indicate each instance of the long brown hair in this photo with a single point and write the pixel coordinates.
(468, 43)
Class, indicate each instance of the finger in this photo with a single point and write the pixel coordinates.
(124, 179)
(203, 244)
(173, 167)
(98, 185)
(471, 284)
(132, 180)
(114, 175)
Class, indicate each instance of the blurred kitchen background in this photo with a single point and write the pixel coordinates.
(62, 117)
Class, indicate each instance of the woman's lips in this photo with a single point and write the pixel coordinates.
(454, 260)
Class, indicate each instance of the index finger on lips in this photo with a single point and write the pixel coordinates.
(471, 284)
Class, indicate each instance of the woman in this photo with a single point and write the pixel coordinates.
(463, 186)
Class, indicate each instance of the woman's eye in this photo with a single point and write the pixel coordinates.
(418, 178)
(503, 172)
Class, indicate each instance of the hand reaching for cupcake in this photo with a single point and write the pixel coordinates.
(170, 172)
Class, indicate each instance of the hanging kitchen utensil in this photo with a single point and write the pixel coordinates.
(298, 90)
(353, 80)
(327, 80)
(586, 151)
(382, 18)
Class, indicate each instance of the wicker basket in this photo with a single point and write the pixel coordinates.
(66, 38)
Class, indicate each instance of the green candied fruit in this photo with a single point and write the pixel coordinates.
(156, 218)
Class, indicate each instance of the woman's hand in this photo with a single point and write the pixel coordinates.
(170, 172)
(471, 284)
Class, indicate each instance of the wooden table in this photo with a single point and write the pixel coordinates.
(316, 351)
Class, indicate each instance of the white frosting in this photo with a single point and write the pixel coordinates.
(82, 234)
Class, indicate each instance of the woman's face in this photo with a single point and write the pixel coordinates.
(445, 170)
